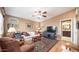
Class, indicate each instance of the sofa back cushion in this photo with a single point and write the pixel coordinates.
(9, 44)
(18, 35)
(11, 35)
(25, 34)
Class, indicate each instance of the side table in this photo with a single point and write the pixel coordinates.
(36, 38)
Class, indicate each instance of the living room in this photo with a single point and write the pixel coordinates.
(19, 22)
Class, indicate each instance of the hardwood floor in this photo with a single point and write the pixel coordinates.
(61, 45)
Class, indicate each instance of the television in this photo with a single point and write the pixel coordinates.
(49, 29)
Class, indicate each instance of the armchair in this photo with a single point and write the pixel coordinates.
(50, 32)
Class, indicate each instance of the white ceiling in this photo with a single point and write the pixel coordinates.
(27, 12)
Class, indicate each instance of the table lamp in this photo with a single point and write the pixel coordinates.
(11, 32)
(11, 29)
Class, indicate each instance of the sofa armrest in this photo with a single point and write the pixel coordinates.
(27, 47)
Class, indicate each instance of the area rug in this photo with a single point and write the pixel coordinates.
(44, 45)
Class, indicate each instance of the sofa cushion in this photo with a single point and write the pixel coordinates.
(25, 33)
(17, 35)
(12, 35)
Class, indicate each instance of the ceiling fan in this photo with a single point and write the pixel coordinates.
(40, 14)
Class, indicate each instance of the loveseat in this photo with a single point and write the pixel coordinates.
(8, 44)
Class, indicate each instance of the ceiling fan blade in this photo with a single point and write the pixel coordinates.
(45, 12)
(44, 15)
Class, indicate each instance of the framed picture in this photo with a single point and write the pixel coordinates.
(12, 23)
(66, 25)
(29, 26)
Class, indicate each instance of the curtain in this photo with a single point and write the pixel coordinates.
(1, 24)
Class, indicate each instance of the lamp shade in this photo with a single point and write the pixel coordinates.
(11, 29)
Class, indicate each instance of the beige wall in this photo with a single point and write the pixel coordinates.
(22, 24)
(53, 21)
(56, 20)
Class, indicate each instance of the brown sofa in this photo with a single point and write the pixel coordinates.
(8, 44)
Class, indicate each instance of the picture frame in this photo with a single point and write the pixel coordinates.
(29, 26)
(12, 23)
(66, 25)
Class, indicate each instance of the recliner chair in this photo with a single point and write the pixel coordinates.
(50, 32)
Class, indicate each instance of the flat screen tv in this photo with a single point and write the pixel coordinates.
(49, 29)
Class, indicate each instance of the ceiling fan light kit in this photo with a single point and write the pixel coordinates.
(39, 14)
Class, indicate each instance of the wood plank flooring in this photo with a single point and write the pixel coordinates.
(61, 45)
